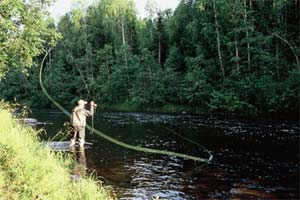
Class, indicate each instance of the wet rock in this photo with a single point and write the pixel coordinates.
(64, 146)
(31, 122)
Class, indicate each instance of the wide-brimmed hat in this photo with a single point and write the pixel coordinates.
(82, 102)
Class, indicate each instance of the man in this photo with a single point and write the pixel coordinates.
(78, 121)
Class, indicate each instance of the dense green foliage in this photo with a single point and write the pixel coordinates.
(23, 32)
(29, 172)
(232, 56)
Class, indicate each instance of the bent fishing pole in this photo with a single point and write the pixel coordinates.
(110, 139)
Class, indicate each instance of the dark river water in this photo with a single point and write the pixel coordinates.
(253, 159)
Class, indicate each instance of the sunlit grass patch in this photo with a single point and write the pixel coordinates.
(28, 171)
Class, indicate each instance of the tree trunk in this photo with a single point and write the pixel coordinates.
(108, 69)
(159, 51)
(247, 36)
(237, 52)
(50, 67)
(285, 19)
(298, 14)
(124, 41)
(150, 73)
(277, 58)
(218, 42)
(277, 44)
(123, 30)
(291, 47)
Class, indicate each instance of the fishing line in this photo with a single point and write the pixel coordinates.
(189, 140)
(110, 139)
(184, 138)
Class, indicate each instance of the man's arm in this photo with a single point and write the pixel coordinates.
(90, 112)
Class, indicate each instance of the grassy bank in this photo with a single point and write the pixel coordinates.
(29, 172)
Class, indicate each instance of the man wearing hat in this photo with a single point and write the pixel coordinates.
(78, 121)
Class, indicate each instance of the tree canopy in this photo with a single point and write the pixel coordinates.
(24, 32)
(231, 56)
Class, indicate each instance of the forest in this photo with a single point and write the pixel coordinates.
(231, 56)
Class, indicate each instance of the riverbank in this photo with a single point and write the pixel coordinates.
(29, 172)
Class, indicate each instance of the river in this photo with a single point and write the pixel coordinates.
(253, 158)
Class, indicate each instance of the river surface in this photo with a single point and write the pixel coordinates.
(253, 159)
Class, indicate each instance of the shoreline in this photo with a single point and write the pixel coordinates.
(294, 118)
(172, 109)
(29, 171)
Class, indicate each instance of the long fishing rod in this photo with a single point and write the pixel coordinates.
(92, 131)
(110, 139)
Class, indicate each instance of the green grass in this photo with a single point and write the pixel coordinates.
(28, 171)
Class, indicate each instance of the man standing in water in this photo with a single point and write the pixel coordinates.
(78, 121)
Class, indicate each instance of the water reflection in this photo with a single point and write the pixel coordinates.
(80, 169)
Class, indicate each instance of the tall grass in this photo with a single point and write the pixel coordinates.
(28, 171)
